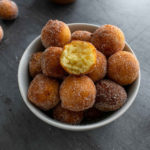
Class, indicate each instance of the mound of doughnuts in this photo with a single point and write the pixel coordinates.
(81, 75)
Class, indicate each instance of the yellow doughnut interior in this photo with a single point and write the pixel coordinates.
(78, 57)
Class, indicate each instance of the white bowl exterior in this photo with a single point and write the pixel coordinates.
(23, 81)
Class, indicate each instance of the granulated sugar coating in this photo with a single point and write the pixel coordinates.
(77, 93)
(50, 62)
(8, 10)
(35, 64)
(55, 33)
(110, 96)
(100, 69)
(81, 35)
(123, 67)
(1, 33)
(43, 92)
(108, 39)
(67, 116)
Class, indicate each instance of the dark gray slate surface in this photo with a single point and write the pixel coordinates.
(21, 130)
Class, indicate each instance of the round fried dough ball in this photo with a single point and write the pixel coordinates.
(123, 67)
(50, 62)
(55, 33)
(35, 64)
(43, 92)
(108, 39)
(81, 35)
(77, 93)
(110, 96)
(78, 57)
(1, 33)
(8, 10)
(67, 116)
(92, 114)
(100, 69)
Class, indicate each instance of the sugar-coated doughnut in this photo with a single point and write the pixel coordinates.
(123, 67)
(67, 116)
(50, 62)
(43, 92)
(1, 33)
(81, 35)
(77, 93)
(8, 10)
(108, 39)
(100, 69)
(110, 96)
(55, 33)
(35, 64)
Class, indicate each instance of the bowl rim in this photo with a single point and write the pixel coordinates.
(58, 124)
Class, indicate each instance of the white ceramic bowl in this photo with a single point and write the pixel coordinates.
(23, 81)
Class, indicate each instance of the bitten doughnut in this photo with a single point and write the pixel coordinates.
(78, 57)
(50, 62)
(81, 35)
(67, 116)
(123, 67)
(35, 64)
(55, 33)
(100, 69)
(110, 95)
(108, 39)
(43, 92)
(1, 33)
(8, 10)
(77, 93)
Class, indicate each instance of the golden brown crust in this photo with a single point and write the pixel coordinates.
(81, 35)
(35, 64)
(123, 67)
(90, 69)
(1, 33)
(77, 93)
(110, 96)
(50, 62)
(108, 39)
(100, 69)
(67, 116)
(55, 33)
(43, 92)
(8, 10)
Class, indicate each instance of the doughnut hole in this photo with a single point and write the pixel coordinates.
(55, 33)
(123, 68)
(77, 93)
(43, 92)
(8, 10)
(108, 39)
(81, 35)
(78, 57)
(67, 116)
(50, 63)
(1, 33)
(35, 64)
(100, 69)
(110, 96)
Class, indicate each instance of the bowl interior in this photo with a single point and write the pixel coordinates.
(24, 80)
